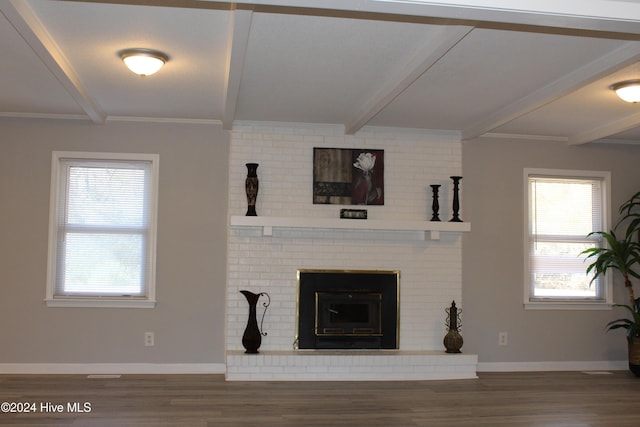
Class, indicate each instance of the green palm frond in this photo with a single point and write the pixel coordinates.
(631, 325)
(620, 252)
(630, 212)
(628, 207)
(617, 254)
(618, 323)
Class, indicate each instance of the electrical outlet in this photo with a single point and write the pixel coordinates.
(149, 339)
(502, 338)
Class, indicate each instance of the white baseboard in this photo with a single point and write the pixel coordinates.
(220, 368)
(112, 368)
(603, 365)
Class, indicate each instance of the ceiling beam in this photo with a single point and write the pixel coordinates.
(612, 128)
(621, 16)
(239, 28)
(29, 26)
(613, 61)
(434, 49)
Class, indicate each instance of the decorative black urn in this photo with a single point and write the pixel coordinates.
(453, 340)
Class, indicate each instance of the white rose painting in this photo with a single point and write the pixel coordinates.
(348, 176)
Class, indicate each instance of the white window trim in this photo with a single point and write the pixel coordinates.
(149, 300)
(606, 212)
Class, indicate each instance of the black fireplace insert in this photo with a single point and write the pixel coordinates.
(347, 309)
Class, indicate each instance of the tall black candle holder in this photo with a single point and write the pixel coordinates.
(435, 206)
(456, 199)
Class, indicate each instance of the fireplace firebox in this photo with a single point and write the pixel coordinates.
(340, 309)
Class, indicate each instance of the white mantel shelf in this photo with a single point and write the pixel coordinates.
(431, 229)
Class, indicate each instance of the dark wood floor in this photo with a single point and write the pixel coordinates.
(495, 399)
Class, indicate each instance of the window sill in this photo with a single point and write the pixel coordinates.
(567, 305)
(99, 303)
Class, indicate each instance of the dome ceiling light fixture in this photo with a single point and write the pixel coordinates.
(628, 90)
(143, 62)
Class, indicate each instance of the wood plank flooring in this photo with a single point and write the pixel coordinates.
(495, 399)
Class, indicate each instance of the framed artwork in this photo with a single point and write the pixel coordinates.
(344, 176)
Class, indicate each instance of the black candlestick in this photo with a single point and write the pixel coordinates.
(456, 200)
(435, 206)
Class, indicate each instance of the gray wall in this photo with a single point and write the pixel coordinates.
(493, 252)
(188, 320)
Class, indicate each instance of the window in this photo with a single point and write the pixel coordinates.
(102, 230)
(563, 207)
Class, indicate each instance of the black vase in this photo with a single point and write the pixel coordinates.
(251, 188)
(252, 338)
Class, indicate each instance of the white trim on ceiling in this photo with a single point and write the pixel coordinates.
(625, 55)
(524, 137)
(239, 28)
(430, 53)
(606, 130)
(591, 15)
(29, 26)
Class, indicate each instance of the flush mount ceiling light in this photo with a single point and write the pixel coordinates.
(628, 91)
(143, 62)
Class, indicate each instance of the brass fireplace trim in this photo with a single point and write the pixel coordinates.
(348, 271)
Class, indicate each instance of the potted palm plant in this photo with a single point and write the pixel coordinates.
(622, 254)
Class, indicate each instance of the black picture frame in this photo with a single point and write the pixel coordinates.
(348, 176)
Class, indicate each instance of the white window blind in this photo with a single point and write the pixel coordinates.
(104, 234)
(562, 211)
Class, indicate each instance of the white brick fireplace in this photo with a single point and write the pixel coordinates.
(291, 233)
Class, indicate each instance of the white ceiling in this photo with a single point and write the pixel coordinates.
(477, 68)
